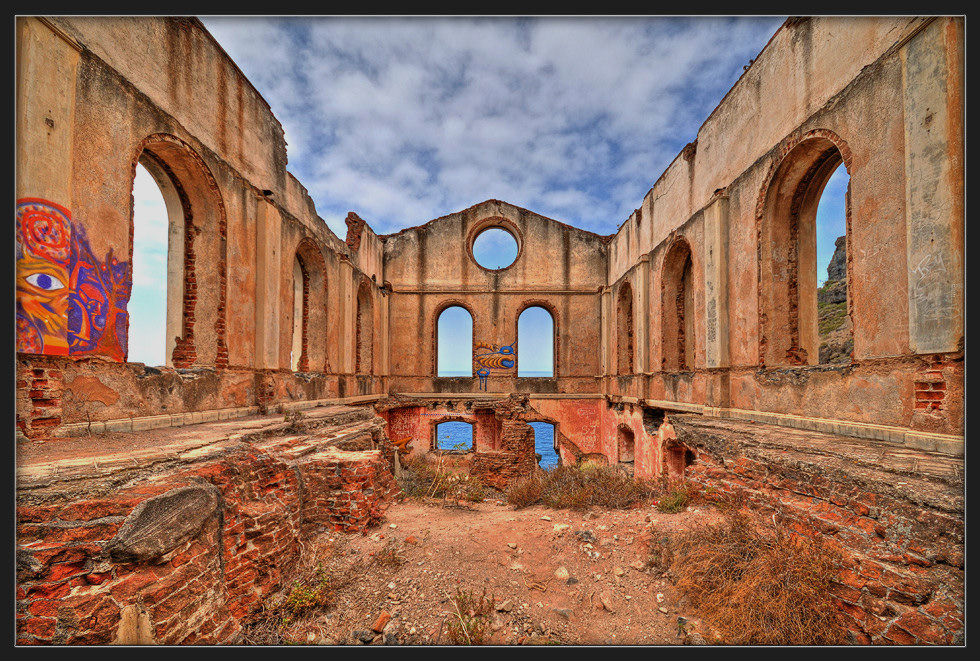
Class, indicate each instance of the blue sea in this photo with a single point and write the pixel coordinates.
(460, 434)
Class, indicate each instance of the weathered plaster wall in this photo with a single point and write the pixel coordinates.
(95, 103)
(431, 267)
(716, 192)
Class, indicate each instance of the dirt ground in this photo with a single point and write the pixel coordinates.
(555, 576)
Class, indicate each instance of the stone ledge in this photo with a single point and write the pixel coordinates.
(941, 443)
(143, 423)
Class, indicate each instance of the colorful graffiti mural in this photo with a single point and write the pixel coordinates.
(493, 358)
(68, 302)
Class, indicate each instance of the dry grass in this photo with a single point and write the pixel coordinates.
(470, 623)
(421, 478)
(754, 584)
(580, 487)
(311, 592)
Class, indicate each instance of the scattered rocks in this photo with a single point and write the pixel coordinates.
(380, 623)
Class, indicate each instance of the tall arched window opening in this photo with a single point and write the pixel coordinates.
(624, 329)
(792, 322)
(364, 335)
(301, 294)
(536, 343)
(156, 300)
(677, 308)
(454, 342)
(833, 318)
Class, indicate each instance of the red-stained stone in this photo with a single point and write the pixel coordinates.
(42, 627)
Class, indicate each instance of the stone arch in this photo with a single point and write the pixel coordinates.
(678, 338)
(311, 328)
(442, 307)
(786, 226)
(624, 329)
(197, 271)
(364, 329)
(548, 307)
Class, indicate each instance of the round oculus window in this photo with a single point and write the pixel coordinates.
(495, 248)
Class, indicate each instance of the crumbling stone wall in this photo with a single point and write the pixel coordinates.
(898, 517)
(180, 551)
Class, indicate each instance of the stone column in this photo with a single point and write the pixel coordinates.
(715, 258)
(641, 316)
(932, 84)
(268, 269)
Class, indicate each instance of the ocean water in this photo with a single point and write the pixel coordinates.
(460, 434)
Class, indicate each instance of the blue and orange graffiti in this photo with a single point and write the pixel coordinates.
(68, 302)
(495, 358)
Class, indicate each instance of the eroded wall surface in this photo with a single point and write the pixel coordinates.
(701, 302)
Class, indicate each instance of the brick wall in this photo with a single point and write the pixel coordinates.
(345, 491)
(78, 570)
(902, 577)
(40, 384)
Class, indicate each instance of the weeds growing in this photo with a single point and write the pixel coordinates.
(580, 487)
(472, 619)
(423, 479)
(755, 584)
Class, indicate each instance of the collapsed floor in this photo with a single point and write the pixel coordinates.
(180, 536)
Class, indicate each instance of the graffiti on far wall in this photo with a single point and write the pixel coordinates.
(68, 301)
(493, 357)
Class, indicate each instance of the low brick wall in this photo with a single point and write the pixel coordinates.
(345, 491)
(184, 555)
(902, 535)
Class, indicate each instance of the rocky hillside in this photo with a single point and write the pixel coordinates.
(836, 338)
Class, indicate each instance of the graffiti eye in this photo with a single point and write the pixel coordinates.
(45, 281)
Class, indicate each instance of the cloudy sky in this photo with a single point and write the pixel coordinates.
(403, 120)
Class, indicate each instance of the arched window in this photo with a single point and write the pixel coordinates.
(790, 322)
(364, 335)
(454, 435)
(536, 343)
(833, 318)
(301, 293)
(197, 276)
(624, 329)
(156, 302)
(454, 342)
(148, 305)
(677, 308)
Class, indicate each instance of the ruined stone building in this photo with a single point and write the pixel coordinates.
(685, 345)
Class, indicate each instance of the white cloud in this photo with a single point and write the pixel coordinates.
(404, 120)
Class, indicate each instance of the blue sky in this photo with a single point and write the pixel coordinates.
(403, 120)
